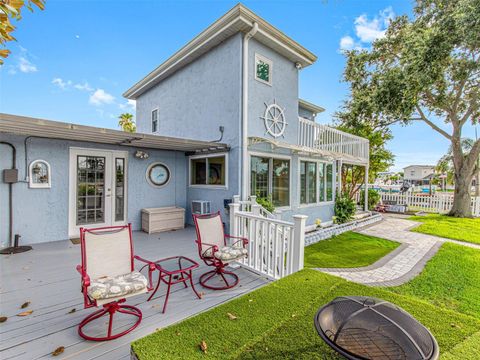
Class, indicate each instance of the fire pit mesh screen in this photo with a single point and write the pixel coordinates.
(368, 328)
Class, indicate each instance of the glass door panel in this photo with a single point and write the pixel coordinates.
(90, 190)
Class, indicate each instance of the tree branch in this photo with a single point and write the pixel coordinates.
(432, 125)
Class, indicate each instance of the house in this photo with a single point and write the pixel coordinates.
(220, 117)
(418, 174)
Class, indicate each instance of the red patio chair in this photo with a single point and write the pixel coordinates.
(214, 250)
(108, 276)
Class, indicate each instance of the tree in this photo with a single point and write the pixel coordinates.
(353, 176)
(426, 69)
(446, 163)
(127, 123)
(11, 10)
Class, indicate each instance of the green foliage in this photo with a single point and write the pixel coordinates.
(127, 123)
(347, 250)
(266, 203)
(425, 68)
(373, 198)
(466, 229)
(344, 209)
(276, 322)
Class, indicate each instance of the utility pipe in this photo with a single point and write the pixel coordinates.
(10, 193)
(245, 74)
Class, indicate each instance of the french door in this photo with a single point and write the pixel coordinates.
(97, 189)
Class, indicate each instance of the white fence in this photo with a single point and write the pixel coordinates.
(326, 138)
(438, 203)
(276, 247)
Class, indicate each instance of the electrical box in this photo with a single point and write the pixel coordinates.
(10, 176)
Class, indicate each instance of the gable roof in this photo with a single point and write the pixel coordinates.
(238, 19)
(304, 104)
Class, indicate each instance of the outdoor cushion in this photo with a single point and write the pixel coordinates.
(108, 287)
(228, 253)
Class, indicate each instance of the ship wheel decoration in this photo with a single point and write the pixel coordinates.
(274, 119)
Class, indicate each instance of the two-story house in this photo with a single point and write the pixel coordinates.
(418, 174)
(220, 117)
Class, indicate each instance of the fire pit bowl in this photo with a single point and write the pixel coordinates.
(360, 327)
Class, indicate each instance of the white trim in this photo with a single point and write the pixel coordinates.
(109, 209)
(33, 185)
(151, 120)
(147, 172)
(207, 186)
(260, 57)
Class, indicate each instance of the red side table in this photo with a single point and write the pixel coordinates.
(174, 270)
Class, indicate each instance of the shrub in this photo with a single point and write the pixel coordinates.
(373, 198)
(344, 209)
(266, 203)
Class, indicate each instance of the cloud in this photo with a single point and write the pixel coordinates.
(83, 87)
(25, 66)
(128, 106)
(100, 97)
(368, 30)
(23, 63)
(77, 36)
(62, 84)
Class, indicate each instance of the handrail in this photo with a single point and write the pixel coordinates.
(272, 221)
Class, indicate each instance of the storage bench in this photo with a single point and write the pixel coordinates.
(163, 219)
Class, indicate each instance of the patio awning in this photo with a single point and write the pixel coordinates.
(27, 126)
(309, 151)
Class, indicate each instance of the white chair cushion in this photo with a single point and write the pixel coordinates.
(108, 287)
(226, 253)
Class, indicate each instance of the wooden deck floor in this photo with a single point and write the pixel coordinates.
(46, 277)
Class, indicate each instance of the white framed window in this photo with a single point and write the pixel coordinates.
(315, 182)
(209, 170)
(263, 69)
(270, 177)
(154, 120)
(39, 175)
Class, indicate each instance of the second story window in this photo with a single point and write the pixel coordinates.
(154, 120)
(263, 69)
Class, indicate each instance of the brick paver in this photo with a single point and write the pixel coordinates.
(400, 265)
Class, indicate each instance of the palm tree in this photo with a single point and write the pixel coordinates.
(127, 123)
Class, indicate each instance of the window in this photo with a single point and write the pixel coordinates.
(154, 120)
(316, 178)
(263, 69)
(211, 170)
(39, 174)
(270, 177)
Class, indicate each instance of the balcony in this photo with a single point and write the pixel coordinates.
(327, 141)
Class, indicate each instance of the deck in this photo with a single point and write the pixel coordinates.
(46, 277)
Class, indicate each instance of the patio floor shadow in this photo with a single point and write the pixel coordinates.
(46, 277)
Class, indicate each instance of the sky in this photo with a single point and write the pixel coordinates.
(73, 61)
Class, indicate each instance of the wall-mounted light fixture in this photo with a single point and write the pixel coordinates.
(141, 155)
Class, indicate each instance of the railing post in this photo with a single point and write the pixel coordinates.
(298, 248)
(255, 209)
(253, 199)
(234, 208)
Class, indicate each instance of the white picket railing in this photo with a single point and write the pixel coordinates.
(326, 138)
(251, 205)
(276, 247)
(439, 203)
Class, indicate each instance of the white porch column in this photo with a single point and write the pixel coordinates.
(234, 208)
(298, 246)
(366, 188)
(339, 176)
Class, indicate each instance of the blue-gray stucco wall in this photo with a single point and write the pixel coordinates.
(306, 114)
(41, 215)
(194, 102)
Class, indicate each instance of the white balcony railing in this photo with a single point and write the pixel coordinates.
(326, 139)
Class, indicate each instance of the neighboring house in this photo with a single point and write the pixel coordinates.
(418, 174)
(219, 118)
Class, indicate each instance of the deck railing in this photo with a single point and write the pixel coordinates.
(276, 247)
(328, 139)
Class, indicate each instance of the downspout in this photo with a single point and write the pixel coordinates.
(245, 171)
(10, 192)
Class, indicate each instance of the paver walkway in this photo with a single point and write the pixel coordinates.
(402, 264)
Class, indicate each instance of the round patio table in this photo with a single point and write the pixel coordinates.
(174, 270)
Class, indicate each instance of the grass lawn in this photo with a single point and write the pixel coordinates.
(276, 322)
(347, 250)
(449, 227)
(451, 280)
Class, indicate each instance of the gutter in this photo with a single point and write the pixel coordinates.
(245, 170)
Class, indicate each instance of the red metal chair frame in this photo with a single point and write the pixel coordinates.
(212, 260)
(116, 305)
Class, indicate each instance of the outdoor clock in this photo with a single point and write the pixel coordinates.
(158, 174)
